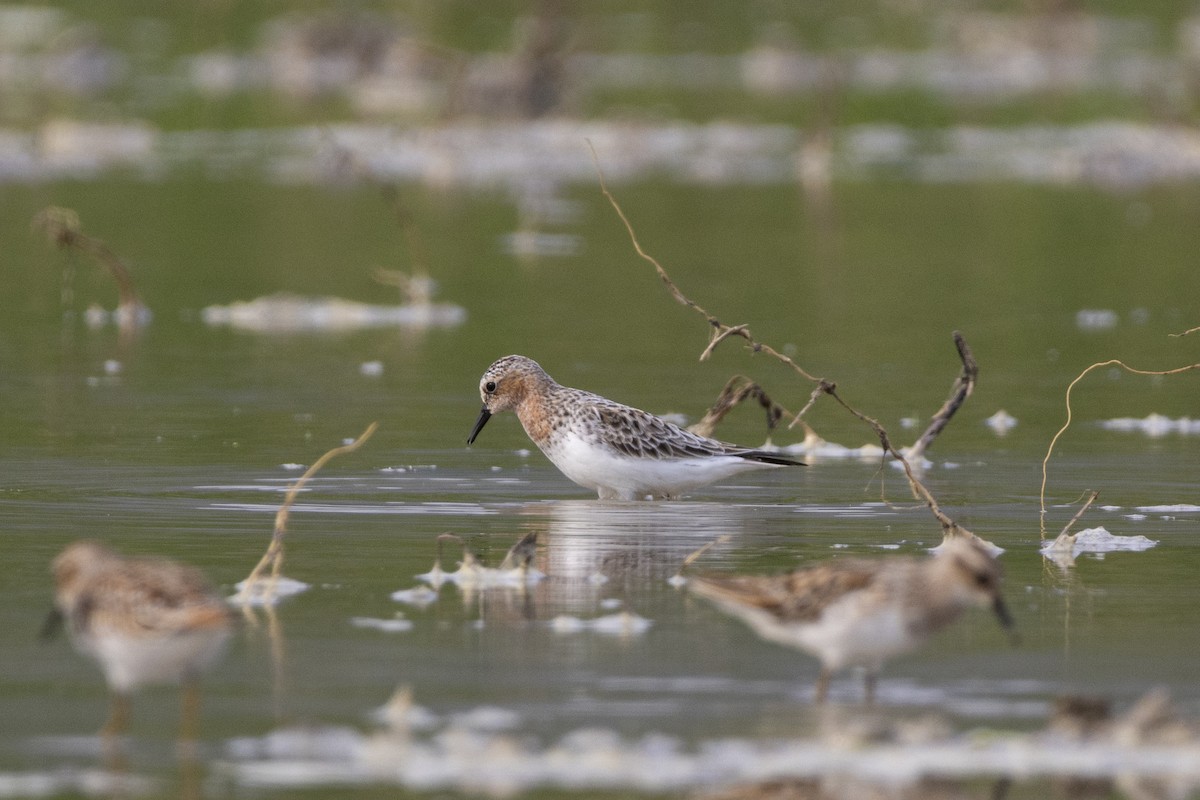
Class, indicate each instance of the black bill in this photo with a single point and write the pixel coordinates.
(1006, 620)
(484, 416)
(52, 625)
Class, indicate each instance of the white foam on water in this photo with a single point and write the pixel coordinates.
(394, 625)
(623, 623)
(75, 781)
(419, 596)
(286, 313)
(1099, 540)
(1177, 508)
(474, 576)
(269, 591)
(484, 751)
(1096, 319)
(1001, 422)
(1153, 425)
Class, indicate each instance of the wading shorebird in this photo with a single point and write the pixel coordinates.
(859, 612)
(145, 620)
(621, 453)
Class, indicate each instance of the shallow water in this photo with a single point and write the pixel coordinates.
(1050, 245)
(183, 440)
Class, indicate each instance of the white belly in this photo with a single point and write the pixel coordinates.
(615, 476)
(133, 661)
(846, 635)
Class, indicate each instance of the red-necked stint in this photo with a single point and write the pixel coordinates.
(859, 612)
(145, 620)
(621, 453)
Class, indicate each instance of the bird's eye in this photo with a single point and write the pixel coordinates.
(489, 387)
(983, 579)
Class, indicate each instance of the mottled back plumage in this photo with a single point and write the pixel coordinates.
(799, 596)
(138, 596)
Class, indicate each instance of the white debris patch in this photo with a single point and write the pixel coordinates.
(471, 575)
(1096, 319)
(394, 625)
(1001, 422)
(1099, 540)
(268, 591)
(621, 624)
(287, 313)
(489, 752)
(814, 447)
(419, 596)
(1178, 508)
(1153, 425)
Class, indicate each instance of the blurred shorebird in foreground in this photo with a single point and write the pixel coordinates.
(620, 452)
(145, 620)
(858, 612)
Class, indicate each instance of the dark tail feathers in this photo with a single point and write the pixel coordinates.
(765, 457)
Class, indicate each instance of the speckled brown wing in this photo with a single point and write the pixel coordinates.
(799, 596)
(634, 432)
(155, 598)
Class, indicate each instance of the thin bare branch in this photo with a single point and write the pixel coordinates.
(949, 526)
(1070, 388)
(413, 285)
(1064, 543)
(959, 392)
(63, 228)
(695, 554)
(274, 554)
(722, 331)
(798, 419)
(1082, 509)
(721, 335)
(1185, 333)
(737, 390)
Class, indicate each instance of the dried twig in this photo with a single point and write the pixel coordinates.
(521, 554)
(1065, 541)
(416, 289)
(1185, 333)
(1070, 387)
(414, 286)
(274, 554)
(63, 228)
(959, 392)
(721, 331)
(950, 528)
(737, 390)
(406, 221)
(695, 554)
(1082, 509)
(736, 330)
